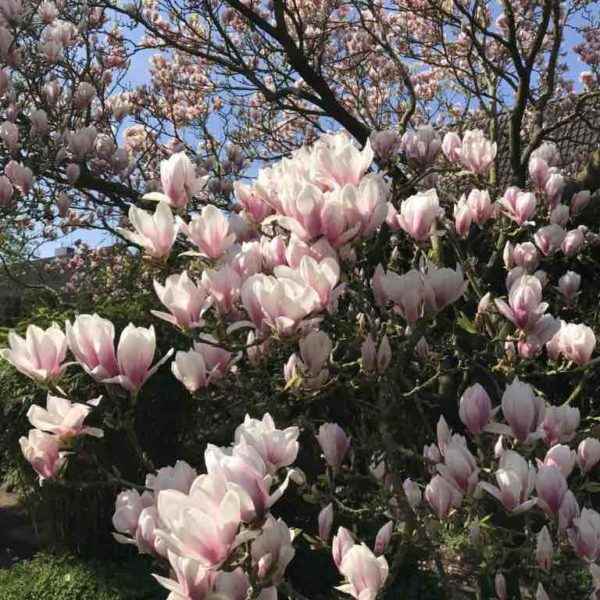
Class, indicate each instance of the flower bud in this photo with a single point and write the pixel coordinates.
(325, 522)
(382, 540)
(543, 549)
(588, 454)
(412, 492)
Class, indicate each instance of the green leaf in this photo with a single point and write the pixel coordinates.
(465, 323)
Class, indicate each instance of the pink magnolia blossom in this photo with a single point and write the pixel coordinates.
(278, 304)
(515, 479)
(444, 287)
(203, 525)
(191, 579)
(442, 496)
(569, 284)
(477, 153)
(527, 256)
(525, 306)
(224, 287)
(452, 146)
(185, 299)
(128, 507)
(580, 200)
(584, 535)
(463, 217)
(522, 409)
(412, 492)
(560, 424)
(575, 342)
(419, 213)
(459, 467)
(421, 145)
(202, 365)
(334, 443)
(573, 241)
(325, 521)
(554, 187)
(62, 418)
(549, 239)
(155, 233)
(551, 487)
(210, 232)
(272, 550)
(277, 447)
(561, 457)
(407, 292)
(539, 171)
(475, 408)
(480, 205)
(322, 277)
(297, 249)
(179, 181)
(42, 451)
(588, 454)
(385, 144)
(342, 542)
(560, 215)
(254, 201)
(40, 355)
(544, 551)
(91, 340)
(179, 477)
(518, 205)
(365, 573)
(135, 353)
(383, 538)
(245, 472)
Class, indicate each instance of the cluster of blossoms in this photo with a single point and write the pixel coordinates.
(276, 273)
(215, 529)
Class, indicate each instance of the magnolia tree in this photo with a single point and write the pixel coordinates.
(422, 324)
(319, 265)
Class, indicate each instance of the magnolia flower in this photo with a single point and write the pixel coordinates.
(569, 284)
(444, 287)
(463, 217)
(452, 146)
(325, 521)
(42, 451)
(525, 306)
(191, 579)
(412, 492)
(91, 339)
(365, 573)
(480, 205)
(224, 286)
(334, 443)
(515, 479)
(321, 276)
(442, 496)
(128, 507)
(560, 424)
(179, 477)
(203, 364)
(179, 181)
(551, 486)
(40, 355)
(62, 418)
(588, 454)
(459, 467)
(475, 408)
(253, 199)
(419, 213)
(523, 410)
(518, 205)
(408, 293)
(561, 457)
(279, 304)
(272, 550)
(155, 233)
(315, 349)
(135, 353)
(574, 241)
(210, 232)
(186, 301)
(245, 472)
(422, 144)
(202, 525)
(385, 144)
(549, 239)
(584, 535)
(544, 550)
(342, 542)
(576, 342)
(477, 153)
(277, 447)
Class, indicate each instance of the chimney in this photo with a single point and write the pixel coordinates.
(64, 251)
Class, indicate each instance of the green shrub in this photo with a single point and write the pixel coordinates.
(48, 577)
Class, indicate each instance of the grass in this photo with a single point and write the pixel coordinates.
(51, 577)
